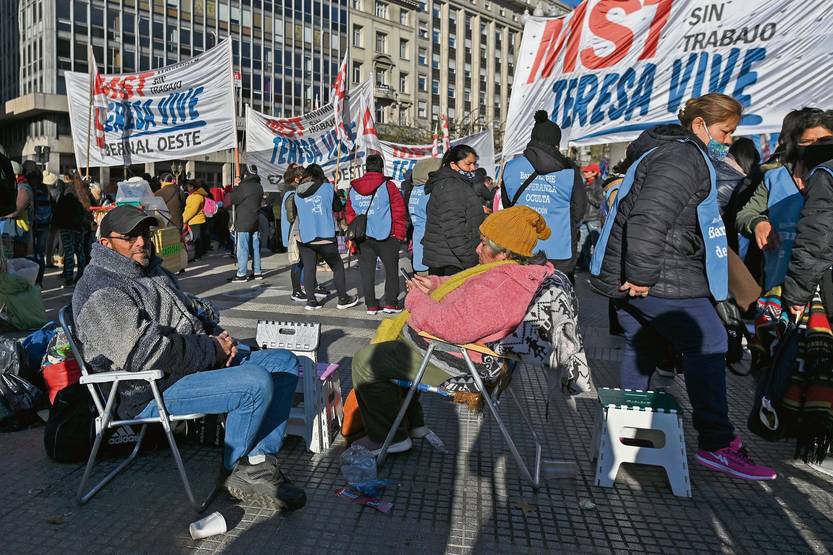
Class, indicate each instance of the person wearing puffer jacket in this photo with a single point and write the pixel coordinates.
(480, 305)
(663, 257)
(377, 197)
(194, 217)
(454, 214)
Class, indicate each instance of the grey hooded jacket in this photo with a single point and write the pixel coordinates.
(134, 319)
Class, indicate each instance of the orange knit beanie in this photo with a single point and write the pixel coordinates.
(517, 229)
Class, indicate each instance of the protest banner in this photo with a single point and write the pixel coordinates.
(174, 112)
(400, 159)
(613, 68)
(274, 143)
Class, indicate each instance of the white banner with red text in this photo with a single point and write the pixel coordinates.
(400, 159)
(274, 143)
(174, 112)
(612, 68)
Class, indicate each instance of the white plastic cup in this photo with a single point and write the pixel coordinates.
(211, 525)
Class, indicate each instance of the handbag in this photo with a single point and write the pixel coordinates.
(357, 229)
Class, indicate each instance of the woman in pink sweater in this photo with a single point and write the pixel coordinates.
(484, 307)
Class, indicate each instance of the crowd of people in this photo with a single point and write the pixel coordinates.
(688, 224)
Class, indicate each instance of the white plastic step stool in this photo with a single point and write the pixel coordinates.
(649, 419)
(317, 410)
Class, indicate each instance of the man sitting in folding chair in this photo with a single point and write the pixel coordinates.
(131, 315)
(480, 305)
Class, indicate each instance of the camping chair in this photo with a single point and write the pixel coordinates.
(490, 394)
(104, 421)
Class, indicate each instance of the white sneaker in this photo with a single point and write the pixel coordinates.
(398, 447)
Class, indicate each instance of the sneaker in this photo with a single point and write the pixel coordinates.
(264, 485)
(374, 310)
(240, 279)
(392, 309)
(298, 296)
(736, 462)
(347, 302)
(313, 305)
(321, 293)
(257, 276)
(67, 284)
(397, 447)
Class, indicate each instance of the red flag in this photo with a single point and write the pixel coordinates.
(339, 92)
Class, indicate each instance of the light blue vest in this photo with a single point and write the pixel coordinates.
(286, 226)
(315, 214)
(783, 210)
(418, 212)
(711, 229)
(549, 195)
(378, 214)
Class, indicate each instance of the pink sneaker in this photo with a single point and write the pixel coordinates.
(735, 461)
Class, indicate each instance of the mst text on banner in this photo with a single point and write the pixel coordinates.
(612, 68)
(177, 111)
(274, 143)
(400, 159)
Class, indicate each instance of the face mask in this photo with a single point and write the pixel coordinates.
(470, 175)
(717, 151)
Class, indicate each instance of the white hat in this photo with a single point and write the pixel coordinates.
(49, 178)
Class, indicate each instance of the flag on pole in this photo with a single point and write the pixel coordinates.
(98, 101)
(339, 92)
(446, 137)
(435, 149)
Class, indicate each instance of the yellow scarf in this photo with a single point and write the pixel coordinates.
(390, 328)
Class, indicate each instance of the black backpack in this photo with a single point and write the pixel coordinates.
(70, 431)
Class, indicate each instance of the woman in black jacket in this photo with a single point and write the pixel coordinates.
(665, 258)
(454, 214)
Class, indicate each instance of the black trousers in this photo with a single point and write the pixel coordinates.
(200, 239)
(388, 250)
(444, 271)
(329, 252)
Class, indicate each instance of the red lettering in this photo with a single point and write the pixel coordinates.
(368, 127)
(620, 35)
(659, 22)
(140, 90)
(574, 34)
(288, 127)
(121, 87)
(552, 31)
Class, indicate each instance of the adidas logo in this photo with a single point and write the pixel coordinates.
(121, 436)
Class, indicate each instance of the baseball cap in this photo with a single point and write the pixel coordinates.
(124, 219)
(592, 167)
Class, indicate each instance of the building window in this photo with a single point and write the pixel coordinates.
(381, 42)
(422, 83)
(452, 92)
(403, 49)
(422, 109)
(381, 77)
(423, 6)
(404, 17)
(435, 86)
(435, 35)
(357, 4)
(435, 60)
(381, 10)
(403, 83)
(423, 30)
(380, 115)
(357, 72)
(423, 57)
(358, 36)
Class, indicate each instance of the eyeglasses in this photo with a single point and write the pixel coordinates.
(130, 239)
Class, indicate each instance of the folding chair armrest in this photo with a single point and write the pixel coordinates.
(108, 377)
(469, 346)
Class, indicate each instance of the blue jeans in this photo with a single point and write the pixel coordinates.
(588, 234)
(243, 240)
(256, 394)
(693, 328)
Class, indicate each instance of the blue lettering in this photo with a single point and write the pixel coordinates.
(700, 76)
(567, 116)
(679, 83)
(719, 80)
(584, 97)
(625, 82)
(604, 97)
(558, 89)
(747, 77)
(642, 95)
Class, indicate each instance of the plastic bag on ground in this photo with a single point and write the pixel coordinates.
(358, 465)
(21, 304)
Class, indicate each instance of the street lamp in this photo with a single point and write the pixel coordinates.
(176, 169)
